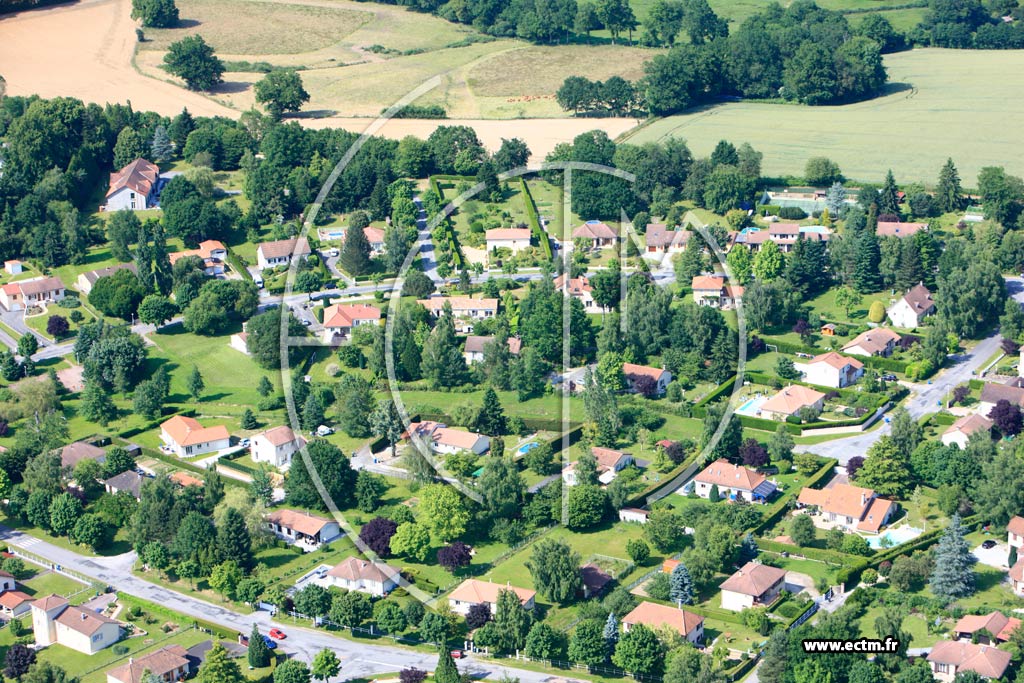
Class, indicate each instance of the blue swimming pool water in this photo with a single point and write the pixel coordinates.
(894, 536)
(527, 447)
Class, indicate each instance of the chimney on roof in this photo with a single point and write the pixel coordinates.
(863, 498)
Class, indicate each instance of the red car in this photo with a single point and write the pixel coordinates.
(277, 634)
(457, 654)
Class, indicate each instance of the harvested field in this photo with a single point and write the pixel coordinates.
(250, 27)
(85, 51)
(943, 103)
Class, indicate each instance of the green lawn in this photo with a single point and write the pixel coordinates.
(914, 624)
(47, 582)
(38, 322)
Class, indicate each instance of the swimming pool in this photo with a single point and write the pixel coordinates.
(752, 406)
(527, 447)
(894, 537)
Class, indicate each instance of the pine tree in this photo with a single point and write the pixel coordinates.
(888, 198)
(219, 668)
(910, 271)
(195, 383)
(160, 147)
(264, 388)
(491, 420)
(611, 632)
(953, 576)
(181, 126)
(259, 654)
(748, 548)
(446, 671)
(681, 590)
(866, 275)
(355, 252)
(312, 412)
(443, 364)
(248, 420)
(835, 200)
(163, 276)
(233, 540)
(948, 193)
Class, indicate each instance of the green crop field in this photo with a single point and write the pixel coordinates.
(943, 103)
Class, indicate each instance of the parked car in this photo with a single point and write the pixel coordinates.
(244, 443)
(458, 654)
(889, 378)
(324, 430)
(989, 544)
(277, 634)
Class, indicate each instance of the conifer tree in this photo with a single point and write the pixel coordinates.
(681, 585)
(953, 576)
(948, 193)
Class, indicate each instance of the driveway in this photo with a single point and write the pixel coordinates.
(994, 557)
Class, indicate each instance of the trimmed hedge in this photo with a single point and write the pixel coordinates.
(820, 554)
(534, 218)
(769, 425)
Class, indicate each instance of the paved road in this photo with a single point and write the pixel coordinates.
(423, 238)
(359, 659)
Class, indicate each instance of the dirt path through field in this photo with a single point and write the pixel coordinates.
(85, 51)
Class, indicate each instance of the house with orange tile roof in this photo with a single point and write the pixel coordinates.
(656, 617)
(276, 446)
(753, 585)
(513, 239)
(358, 574)
(878, 341)
(733, 481)
(169, 663)
(609, 463)
(642, 373)
(1015, 532)
(184, 479)
(578, 288)
(54, 620)
(960, 431)
(14, 603)
(341, 319)
(479, 592)
(711, 290)
(598, 234)
(790, 401)
(446, 440)
(989, 629)
(185, 437)
(950, 657)
(852, 507)
(212, 252)
(302, 529)
(831, 370)
(134, 187)
(17, 296)
(281, 252)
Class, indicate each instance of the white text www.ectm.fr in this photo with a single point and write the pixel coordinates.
(868, 645)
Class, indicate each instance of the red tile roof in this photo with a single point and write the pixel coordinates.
(475, 591)
(594, 230)
(302, 522)
(186, 431)
(986, 660)
(724, 473)
(346, 315)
